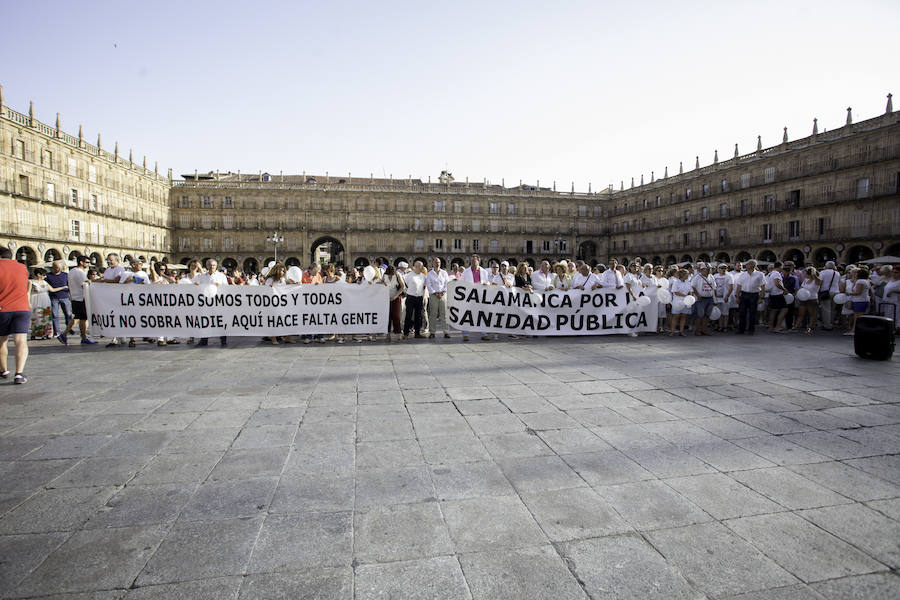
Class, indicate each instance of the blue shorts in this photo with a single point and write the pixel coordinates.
(860, 307)
(703, 307)
(18, 321)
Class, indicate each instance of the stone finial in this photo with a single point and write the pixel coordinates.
(145, 162)
(99, 141)
(131, 156)
(58, 127)
(849, 116)
(666, 172)
(589, 187)
(31, 112)
(170, 173)
(889, 109)
(196, 174)
(116, 152)
(502, 181)
(697, 162)
(652, 176)
(716, 157)
(538, 182)
(759, 143)
(156, 167)
(680, 168)
(573, 187)
(80, 136)
(632, 182)
(784, 138)
(621, 185)
(815, 127)
(642, 179)
(736, 153)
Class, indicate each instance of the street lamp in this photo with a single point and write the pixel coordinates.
(275, 239)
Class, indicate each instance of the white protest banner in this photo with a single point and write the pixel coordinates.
(237, 310)
(498, 309)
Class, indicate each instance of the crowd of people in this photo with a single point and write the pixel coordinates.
(693, 299)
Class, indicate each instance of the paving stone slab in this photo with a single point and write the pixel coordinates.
(453, 449)
(438, 578)
(143, 505)
(650, 505)
(376, 487)
(572, 514)
(228, 499)
(848, 481)
(203, 589)
(20, 554)
(316, 539)
(400, 532)
(64, 509)
(789, 489)
(525, 573)
(721, 496)
(494, 523)
(878, 586)
(862, 527)
(470, 480)
(540, 473)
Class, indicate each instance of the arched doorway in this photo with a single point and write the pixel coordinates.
(399, 260)
(531, 262)
(858, 253)
(823, 255)
(742, 257)
(52, 254)
(703, 257)
(893, 250)
(26, 255)
(587, 250)
(74, 254)
(96, 259)
(458, 262)
(671, 260)
(657, 260)
(421, 260)
(723, 257)
(767, 256)
(327, 250)
(269, 259)
(512, 262)
(293, 261)
(251, 265)
(229, 264)
(796, 256)
(361, 262)
(687, 258)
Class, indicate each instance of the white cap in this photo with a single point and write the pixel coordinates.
(564, 262)
(403, 264)
(504, 263)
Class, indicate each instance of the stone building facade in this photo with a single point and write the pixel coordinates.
(61, 197)
(830, 195)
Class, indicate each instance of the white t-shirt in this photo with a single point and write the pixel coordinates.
(77, 277)
(682, 287)
(611, 278)
(415, 284)
(751, 282)
(139, 277)
(584, 281)
(217, 278)
(115, 273)
(540, 281)
(722, 283)
(863, 295)
(810, 284)
(185, 280)
(704, 286)
(772, 287)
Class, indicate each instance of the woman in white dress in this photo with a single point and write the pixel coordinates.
(681, 289)
(41, 317)
(724, 287)
(891, 297)
(809, 307)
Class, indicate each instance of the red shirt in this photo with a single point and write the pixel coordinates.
(13, 286)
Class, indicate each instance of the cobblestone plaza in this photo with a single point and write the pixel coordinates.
(762, 467)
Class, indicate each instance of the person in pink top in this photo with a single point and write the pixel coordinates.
(475, 273)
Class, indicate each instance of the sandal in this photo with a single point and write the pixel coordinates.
(20, 379)
(4, 375)
(131, 344)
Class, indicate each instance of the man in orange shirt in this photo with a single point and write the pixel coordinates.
(312, 275)
(15, 313)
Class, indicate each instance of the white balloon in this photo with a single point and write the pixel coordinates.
(264, 271)
(841, 298)
(664, 296)
(789, 298)
(715, 314)
(689, 300)
(210, 291)
(271, 263)
(631, 306)
(295, 273)
(369, 273)
(803, 295)
(643, 301)
(664, 283)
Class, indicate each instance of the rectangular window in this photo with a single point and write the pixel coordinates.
(687, 216)
(722, 236)
(19, 152)
(92, 173)
(704, 213)
(438, 244)
(687, 194)
(769, 202)
(723, 210)
(228, 221)
(153, 240)
(724, 185)
(51, 192)
(185, 243)
(438, 206)
(457, 244)
(184, 221)
(794, 229)
(206, 222)
(686, 239)
(417, 225)
(494, 208)
(511, 209)
(75, 229)
(745, 181)
(23, 185)
(745, 208)
(769, 175)
(794, 200)
(438, 224)
(706, 189)
(494, 245)
(476, 207)
(495, 225)
(862, 187)
(476, 245)
(228, 202)
(546, 245)
(702, 238)
(228, 243)
(72, 167)
(476, 225)
(420, 243)
(820, 226)
(206, 202)
(457, 225)
(92, 203)
(624, 244)
(47, 159)
(73, 197)
(457, 206)
(767, 232)
(183, 202)
(563, 246)
(206, 244)
(658, 201)
(582, 210)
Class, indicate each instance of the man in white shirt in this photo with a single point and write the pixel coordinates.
(475, 273)
(436, 283)
(831, 281)
(777, 304)
(542, 279)
(113, 273)
(77, 278)
(508, 278)
(584, 279)
(495, 277)
(749, 285)
(415, 299)
(212, 276)
(611, 277)
(704, 286)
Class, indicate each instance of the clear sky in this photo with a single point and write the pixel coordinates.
(566, 90)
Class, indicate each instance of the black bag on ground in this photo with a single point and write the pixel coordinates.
(874, 337)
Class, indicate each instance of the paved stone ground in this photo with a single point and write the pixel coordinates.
(763, 467)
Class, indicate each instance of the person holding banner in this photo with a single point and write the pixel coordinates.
(475, 273)
(561, 279)
(584, 279)
(611, 276)
(681, 289)
(113, 273)
(396, 288)
(211, 277)
(542, 279)
(436, 282)
(415, 300)
(522, 279)
(704, 286)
